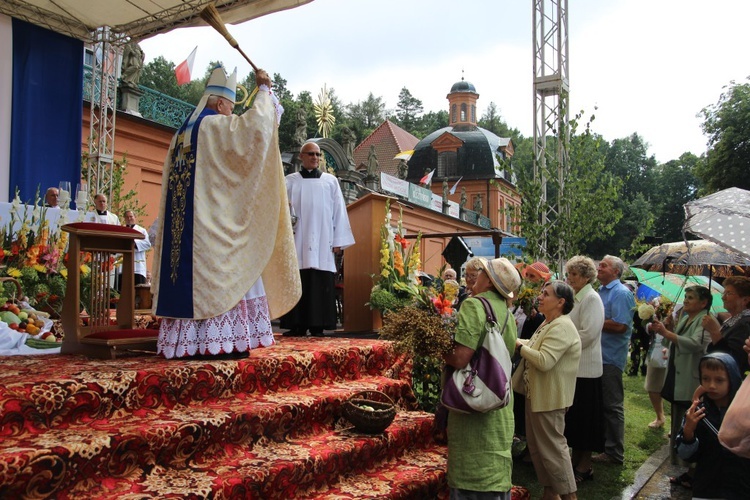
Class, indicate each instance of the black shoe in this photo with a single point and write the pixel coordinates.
(294, 333)
(316, 333)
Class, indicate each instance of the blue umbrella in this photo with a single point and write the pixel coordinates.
(646, 294)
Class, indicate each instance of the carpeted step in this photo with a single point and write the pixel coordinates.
(417, 474)
(173, 437)
(302, 467)
(75, 389)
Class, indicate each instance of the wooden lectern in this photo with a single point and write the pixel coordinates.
(95, 333)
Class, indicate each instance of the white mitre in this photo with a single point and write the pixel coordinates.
(219, 84)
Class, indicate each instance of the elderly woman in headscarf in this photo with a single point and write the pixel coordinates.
(547, 377)
(584, 422)
(479, 444)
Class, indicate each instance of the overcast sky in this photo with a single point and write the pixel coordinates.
(648, 66)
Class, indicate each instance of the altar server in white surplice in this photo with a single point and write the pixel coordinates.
(322, 231)
(101, 215)
(224, 261)
(141, 246)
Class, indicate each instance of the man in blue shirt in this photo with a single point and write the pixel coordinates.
(618, 303)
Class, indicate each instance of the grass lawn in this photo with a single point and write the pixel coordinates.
(640, 443)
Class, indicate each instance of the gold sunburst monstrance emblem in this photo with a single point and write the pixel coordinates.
(324, 112)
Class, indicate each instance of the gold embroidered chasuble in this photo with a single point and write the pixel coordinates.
(241, 225)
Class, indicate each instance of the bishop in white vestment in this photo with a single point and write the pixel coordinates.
(224, 263)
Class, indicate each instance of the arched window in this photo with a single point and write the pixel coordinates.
(453, 114)
(463, 112)
(447, 164)
(473, 113)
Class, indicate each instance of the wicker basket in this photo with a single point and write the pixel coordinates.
(372, 421)
(19, 292)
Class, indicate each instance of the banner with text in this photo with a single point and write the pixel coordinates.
(394, 185)
(420, 196)
(417, 194)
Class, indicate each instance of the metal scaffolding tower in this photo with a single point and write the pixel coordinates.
(105, 67)
(551, 116)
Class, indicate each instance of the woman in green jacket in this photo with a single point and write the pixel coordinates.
(687, 345)
(479, 459)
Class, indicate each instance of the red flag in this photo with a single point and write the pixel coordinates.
(183, 71)
(427, 179)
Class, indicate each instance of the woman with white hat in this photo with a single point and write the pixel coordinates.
(479, 457)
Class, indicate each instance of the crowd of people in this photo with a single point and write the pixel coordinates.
(570, 348)
(568, 377)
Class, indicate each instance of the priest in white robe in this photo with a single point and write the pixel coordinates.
(321, 232)
(224, 262)
(101, 215)
(141, 247)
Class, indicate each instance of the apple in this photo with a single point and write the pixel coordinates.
(50, 338)
(47, 335)
(23, 315)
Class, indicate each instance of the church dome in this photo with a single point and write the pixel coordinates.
(463, 86)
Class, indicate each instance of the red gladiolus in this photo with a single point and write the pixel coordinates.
(401, 240)
(442, 305)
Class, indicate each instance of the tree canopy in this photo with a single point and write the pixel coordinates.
(408, 110)
(727, 125)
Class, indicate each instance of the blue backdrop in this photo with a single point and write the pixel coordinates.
(47, 110)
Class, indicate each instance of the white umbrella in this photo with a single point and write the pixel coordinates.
(723, 218)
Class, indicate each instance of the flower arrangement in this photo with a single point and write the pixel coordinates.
(646, 311)
(425, 327)
(659, 309)
(33, 252)
(397, 282)
(528, 296)
(419, 319)
(664, 308)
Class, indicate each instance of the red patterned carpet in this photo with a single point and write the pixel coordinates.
(264, 427)
(268, 426)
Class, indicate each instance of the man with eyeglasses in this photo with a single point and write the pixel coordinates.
(224, 260)
(322, 232)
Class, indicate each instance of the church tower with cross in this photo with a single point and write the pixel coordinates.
(471, 159)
